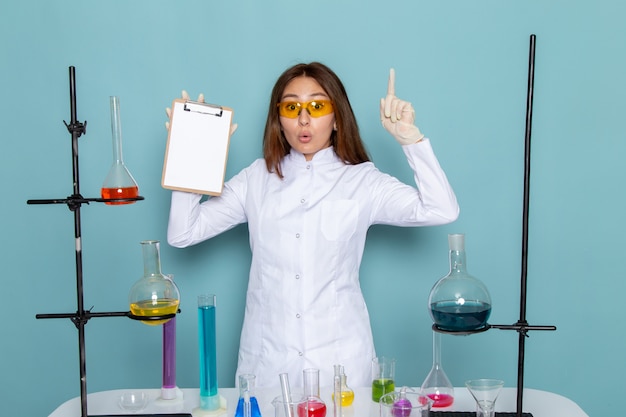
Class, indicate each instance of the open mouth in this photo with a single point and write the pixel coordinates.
(305, 138)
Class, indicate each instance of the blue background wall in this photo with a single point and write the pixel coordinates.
(463, 64)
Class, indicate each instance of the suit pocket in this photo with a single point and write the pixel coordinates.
(339, 219)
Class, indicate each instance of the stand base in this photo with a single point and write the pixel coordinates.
(215, 401)
(170, 397)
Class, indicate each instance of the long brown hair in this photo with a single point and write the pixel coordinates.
(346, 140)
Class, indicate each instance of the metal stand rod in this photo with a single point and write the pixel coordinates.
(522, 326)
(77, 129)
(524, 270)
(74, 202)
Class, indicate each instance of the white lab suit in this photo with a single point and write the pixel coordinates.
(304, 305)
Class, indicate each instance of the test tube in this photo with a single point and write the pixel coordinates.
(209, 397)
(337, 391)
(286, 392)
(168, 388)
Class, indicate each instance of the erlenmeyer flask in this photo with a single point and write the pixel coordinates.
(437, 386)
(154, 295)
(458, 302)
(119, 183)
(247, 406)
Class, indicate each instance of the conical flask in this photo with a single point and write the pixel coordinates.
(437, 386)
(119, 183)
(248, 405)
(154, 295)
(458, 302)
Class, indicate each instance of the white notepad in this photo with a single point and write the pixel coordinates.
(197, 147)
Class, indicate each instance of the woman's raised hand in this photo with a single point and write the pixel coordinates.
(398, 116)
(185, 96)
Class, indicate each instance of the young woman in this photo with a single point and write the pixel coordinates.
(308, 204)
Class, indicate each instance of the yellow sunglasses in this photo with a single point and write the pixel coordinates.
(316, 108)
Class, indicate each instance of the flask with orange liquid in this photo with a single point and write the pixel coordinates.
(119, 183)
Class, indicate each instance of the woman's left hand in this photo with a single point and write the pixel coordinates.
(185, 96)
(398, 116)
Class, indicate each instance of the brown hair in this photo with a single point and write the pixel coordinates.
(346, 140)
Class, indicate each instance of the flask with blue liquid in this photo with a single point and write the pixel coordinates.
(247, 406)
(458, 302)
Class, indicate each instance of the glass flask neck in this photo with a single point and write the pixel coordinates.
(458, 261)
(311, 383)
(437, 350)
(116, 130)
(246, 385)
(151, 258)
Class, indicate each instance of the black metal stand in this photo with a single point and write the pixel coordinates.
(74, 203)
(522, 326)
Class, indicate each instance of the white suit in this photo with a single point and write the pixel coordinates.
(304, 306)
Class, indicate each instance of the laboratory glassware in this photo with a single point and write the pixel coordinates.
(133, 401)
(336, 395)
(154, 295)
(459, 302)
(346, 393)
(314, 406)
(404, 403)
(383, 374)
(485, 392)
(119, 183)
(284, 405)
(169, 390)
(210, 400)
(247, 405)
(437, 386)
(287, 408)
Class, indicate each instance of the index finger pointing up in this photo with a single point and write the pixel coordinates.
(391, 86)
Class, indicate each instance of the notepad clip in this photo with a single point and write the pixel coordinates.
(203, 108)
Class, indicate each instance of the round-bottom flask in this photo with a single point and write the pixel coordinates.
(314, 405)
(154, 295)
(345, 392)
(458, 302)
(437, 386)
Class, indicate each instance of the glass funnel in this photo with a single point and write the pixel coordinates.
(458, 302)
(119, 183)
(154, 295)
(485, 392)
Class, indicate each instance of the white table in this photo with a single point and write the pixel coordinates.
(539, 403)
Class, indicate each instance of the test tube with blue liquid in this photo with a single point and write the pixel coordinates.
(210, 401)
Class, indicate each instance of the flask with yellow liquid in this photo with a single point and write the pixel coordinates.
(345, 392)
(154, 295)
